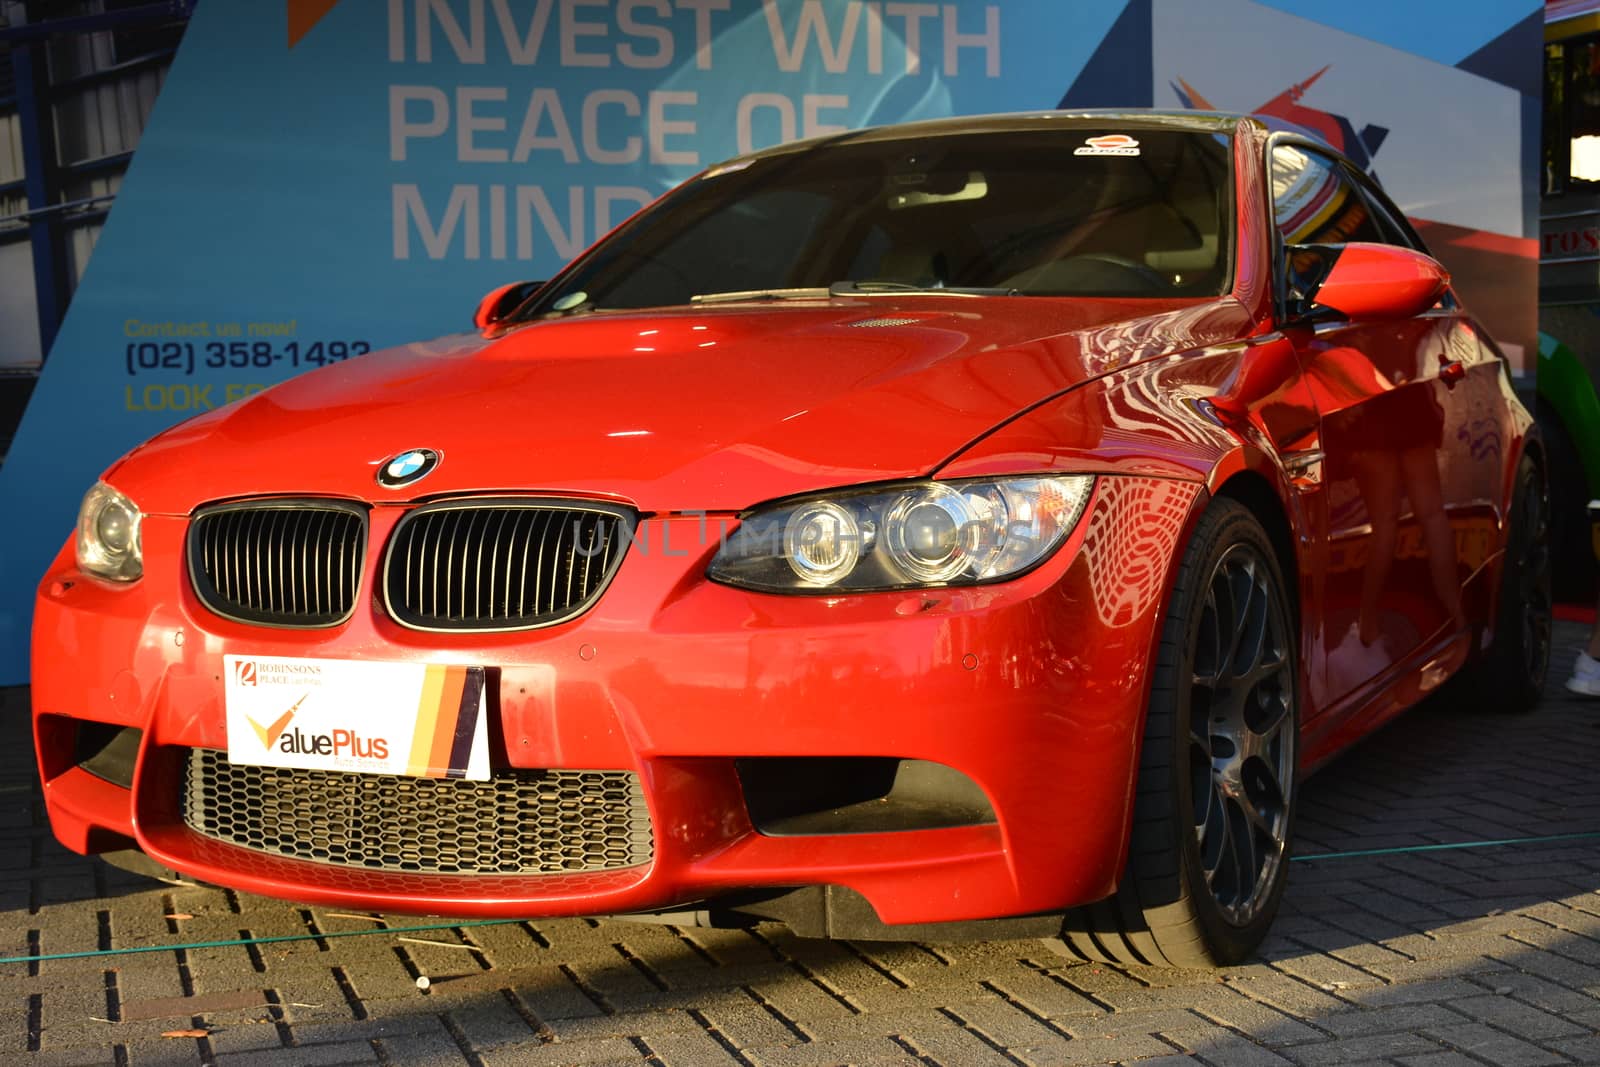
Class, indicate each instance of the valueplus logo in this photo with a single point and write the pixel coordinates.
(345, 743)
(293, 741)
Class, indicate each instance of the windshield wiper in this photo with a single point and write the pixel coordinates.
(844, 288)
(871, 287)
(760, 294)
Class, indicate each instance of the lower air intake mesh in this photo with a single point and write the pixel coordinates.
(518, 822)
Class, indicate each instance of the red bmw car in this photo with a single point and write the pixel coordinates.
(984, 519)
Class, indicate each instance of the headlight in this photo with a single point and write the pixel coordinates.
(108, 535)
(922, 534)
(822, 542)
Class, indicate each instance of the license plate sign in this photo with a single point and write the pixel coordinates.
(418, 719)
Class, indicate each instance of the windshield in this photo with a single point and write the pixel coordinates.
(1070, 211)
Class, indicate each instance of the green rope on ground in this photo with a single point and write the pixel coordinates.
(1439, 848)
(277, 939)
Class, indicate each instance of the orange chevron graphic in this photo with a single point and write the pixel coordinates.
(304, 16)
(269, 734)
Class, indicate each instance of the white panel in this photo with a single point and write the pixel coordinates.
(113, 120)
(130, 122)
(107, 121)
(80, 245)
(93, 107)
(96, 185)
(12, 204)
(19, 339)
(102, 49)
(67, 57)
(10, 147)
(70, 139)
(81, 237)
(149, 86)
(93, 103)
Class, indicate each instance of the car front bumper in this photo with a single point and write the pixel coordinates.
(1033, 689)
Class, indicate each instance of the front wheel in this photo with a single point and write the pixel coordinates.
(1214, 810)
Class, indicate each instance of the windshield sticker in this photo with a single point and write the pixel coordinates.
(1110, 144)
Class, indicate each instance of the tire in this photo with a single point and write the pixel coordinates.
(1214, 809)
(1509, 677)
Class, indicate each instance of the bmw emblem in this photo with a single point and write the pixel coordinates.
(409, 466)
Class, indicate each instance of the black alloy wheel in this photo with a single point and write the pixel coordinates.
(1241, 734)
(1214, 810)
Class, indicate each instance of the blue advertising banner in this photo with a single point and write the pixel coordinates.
(321, 179)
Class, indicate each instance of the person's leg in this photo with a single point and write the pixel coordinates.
(1585, 678)
(1420, 468)
(1586, 672)
(1378, 477)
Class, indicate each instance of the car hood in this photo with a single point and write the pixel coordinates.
(712, 408)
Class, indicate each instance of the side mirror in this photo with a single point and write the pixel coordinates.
(1373, 281)
(502, 302)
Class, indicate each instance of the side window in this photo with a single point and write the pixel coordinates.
(1399, 232)
(1315, 203)
(1395, 232)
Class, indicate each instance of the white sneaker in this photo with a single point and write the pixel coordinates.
(1585, 679)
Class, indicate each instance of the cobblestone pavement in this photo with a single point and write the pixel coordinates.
(1471, 956)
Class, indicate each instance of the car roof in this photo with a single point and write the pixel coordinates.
(1213, 122)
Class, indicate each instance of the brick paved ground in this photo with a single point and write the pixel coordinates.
(1439, 958)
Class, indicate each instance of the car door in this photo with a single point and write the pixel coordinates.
(1471, 387)
(1390, 581)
